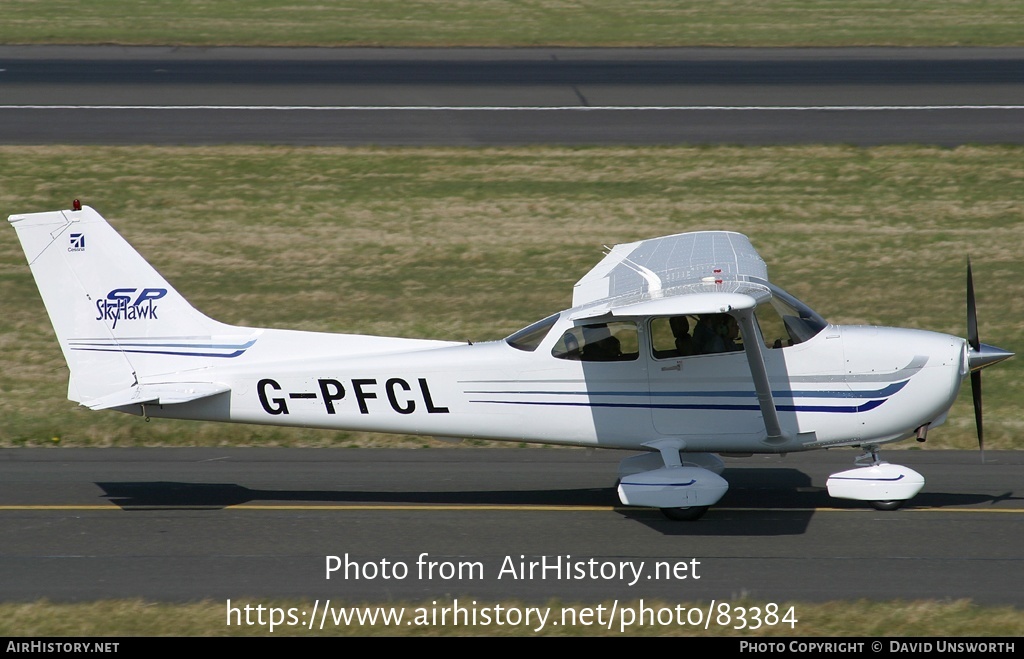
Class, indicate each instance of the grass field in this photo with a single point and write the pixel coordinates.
(641, 23)
(459, 244)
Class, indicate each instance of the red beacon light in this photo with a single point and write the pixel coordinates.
(76, 205)
(713, 280)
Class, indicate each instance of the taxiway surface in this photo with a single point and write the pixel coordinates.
(189, 524)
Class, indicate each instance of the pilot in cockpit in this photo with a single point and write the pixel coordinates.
(716, 333)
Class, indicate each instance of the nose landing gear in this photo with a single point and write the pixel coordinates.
(886, 486)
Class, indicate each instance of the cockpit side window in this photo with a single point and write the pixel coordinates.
(687, 336)
(531, 336)
(672, 337)
(604, 342)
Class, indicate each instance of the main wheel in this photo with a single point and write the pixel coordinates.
(886, 505)
(684, 514)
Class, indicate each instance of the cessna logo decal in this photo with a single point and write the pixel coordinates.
(124, 304)
(403, 397)
(77, 242)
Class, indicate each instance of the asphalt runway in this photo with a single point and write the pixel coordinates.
(113, 95)
(191, 524)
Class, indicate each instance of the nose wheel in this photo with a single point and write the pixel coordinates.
(870, 458)
(884, 486)
(691, 514)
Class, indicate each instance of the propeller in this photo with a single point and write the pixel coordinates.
(975, 341)
(979, 356)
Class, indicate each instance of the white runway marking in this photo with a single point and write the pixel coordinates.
(514, 108)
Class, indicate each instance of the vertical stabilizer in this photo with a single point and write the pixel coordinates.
(118, 321)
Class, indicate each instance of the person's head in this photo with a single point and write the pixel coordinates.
(595, 333)
(732, 328)
(680, 325)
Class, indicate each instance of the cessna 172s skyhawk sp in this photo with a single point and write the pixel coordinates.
(678, 346)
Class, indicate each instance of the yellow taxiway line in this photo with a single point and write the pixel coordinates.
(467, 508)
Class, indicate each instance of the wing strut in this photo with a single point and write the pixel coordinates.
(753, 344)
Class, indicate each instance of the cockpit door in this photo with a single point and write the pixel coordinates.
(697, 393)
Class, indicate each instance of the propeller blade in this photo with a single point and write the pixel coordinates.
(972, 311)
(976, 394)
(979, 356)
(975, 341)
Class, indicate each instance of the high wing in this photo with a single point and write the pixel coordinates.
(672, 265)
(696, 273)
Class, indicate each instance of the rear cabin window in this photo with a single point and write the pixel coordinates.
(603, 342)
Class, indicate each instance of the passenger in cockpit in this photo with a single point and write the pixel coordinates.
(680, 326)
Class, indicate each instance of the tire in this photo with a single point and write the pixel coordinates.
(690, 514)
(886, 505)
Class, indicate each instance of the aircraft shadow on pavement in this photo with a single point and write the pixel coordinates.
(760, 501)
(750, 488)
(171, 495)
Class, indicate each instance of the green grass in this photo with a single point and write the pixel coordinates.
(642, 23)
(456, 243)
(858, 618)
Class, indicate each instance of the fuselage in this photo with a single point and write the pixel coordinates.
(844, 386)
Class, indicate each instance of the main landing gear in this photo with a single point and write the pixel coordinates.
(885, 486)
(683, 492)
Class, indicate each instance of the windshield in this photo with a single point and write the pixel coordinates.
(786, 321)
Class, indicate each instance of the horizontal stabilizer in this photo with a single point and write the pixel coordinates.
(170, 393)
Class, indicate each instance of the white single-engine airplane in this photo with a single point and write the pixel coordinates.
(678, 346)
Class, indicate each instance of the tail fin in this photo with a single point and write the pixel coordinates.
(123, 329)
